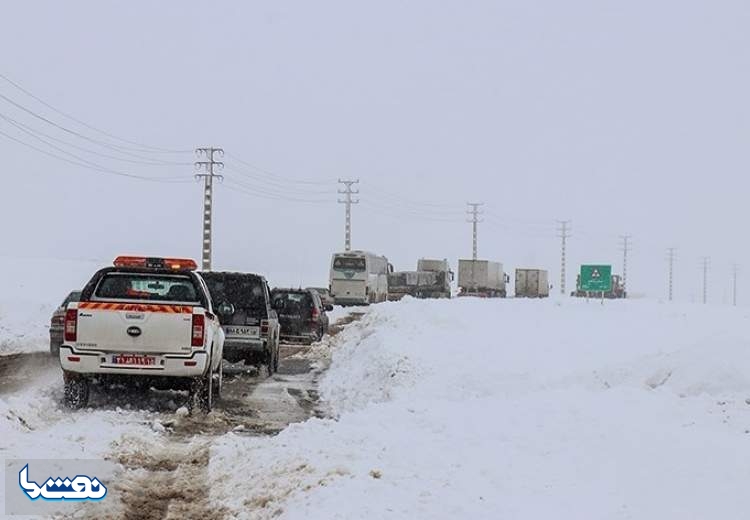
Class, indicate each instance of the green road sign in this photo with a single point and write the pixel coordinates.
(596, 278)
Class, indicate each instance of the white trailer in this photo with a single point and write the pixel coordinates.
(481, 278)
(532, 283)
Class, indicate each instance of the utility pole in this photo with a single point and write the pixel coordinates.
(705, 279)
(624, 248)
(735, 269)
(474, 212)
(564, 235)
(670, 259)
(348, 191)
(208, 175)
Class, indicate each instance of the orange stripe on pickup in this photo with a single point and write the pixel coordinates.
(136, 307)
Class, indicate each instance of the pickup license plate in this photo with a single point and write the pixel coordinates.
(242, 332)
(133, 359)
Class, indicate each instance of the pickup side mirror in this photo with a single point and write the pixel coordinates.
(328, 307)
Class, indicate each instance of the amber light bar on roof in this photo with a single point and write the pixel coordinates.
(178, 264)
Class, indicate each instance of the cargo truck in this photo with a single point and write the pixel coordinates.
(532, 283)
(481, 278)
(432, 279)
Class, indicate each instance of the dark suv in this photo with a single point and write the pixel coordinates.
(302, 315)
(57, 323)
(250, 324)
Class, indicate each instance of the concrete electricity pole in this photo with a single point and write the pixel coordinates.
(474, 212)
(625, 248)
(564, 235)
(208, 176)
(735, 269)
(670, 259)
(705, 279)
(348, 191)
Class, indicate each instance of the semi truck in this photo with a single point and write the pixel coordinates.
(532, 283)
(481, 278)
(432, 279)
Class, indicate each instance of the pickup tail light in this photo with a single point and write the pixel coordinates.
(315, 314)
(71, 325)
(264, 328)
(199, 330)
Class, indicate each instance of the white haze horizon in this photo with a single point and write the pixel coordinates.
(623, 118)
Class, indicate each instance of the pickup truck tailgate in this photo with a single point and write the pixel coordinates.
(144, 328)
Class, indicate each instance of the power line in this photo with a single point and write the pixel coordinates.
(348, 201)
(117, 148)
(93, 166)
(275, 186)
(37, 133)
(564, 235)
(275, 176)
(255, 192)
(474, 212)
(208, 166)
(143, 147)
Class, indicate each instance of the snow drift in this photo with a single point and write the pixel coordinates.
(513, 409)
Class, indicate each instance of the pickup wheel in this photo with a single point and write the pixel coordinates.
(76, 391)
(218, 382)
(202, 393)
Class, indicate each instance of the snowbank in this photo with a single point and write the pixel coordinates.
(31, 293)
(514, 409)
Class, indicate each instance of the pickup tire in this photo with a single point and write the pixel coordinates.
(218, 382)
(271, 359)
(202, 392)
(76, 391)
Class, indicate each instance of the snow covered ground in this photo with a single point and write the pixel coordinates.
(30, 295)
(513, 409)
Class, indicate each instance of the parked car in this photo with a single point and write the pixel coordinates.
(251, 326)
(57, 323)
(302, 314)
(325, 295)
(143, 320)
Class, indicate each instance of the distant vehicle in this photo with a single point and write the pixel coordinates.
(532, 283)
(617, 290)
(301, 313)
(482, 278)
(325, 295)
(251, 326)
(57, 323)
(359, 278)
(432, 279)
(147, 318)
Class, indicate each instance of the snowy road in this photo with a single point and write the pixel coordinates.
(164, 453)
(435, 409)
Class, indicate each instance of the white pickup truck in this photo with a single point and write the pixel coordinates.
(145, 318)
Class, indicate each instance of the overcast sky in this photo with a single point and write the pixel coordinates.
(624, 117)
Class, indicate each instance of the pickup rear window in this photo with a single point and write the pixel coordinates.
(151, 287)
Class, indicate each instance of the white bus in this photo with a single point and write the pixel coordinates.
(359, 278)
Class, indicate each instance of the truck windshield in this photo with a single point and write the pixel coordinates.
(154, 287)
(349, 264)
